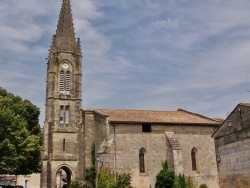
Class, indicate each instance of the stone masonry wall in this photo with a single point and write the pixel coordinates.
(205, 158)
(234, 165)
(129, 139)
(232, 143)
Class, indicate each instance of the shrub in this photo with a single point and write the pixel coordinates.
(124, 180)
(165, 178)
(190, 183)
(78, 184)
(106, 179)
(180, 181)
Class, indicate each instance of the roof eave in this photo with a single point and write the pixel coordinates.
(167, 123)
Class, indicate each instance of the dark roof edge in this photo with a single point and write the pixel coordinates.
(170, 123)
(186, 111)
(94, 111)
(239, 104)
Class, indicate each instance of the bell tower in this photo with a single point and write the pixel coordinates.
(62, 126)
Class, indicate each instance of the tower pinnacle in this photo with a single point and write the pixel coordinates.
(65, 40)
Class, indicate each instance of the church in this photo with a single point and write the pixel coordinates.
(131, 141)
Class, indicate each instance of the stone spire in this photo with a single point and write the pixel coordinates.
(65, 40)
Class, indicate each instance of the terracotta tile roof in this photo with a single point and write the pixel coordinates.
(154, 116)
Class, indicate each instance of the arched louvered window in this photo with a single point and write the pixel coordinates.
(67, 81)
(194, 159)
(64, 82)
(142, 154)
(61, 83)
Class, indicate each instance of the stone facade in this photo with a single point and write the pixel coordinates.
(232, 143)
(63, 140)
(135, 141)
(164, 142)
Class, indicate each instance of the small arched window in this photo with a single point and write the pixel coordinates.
(142, 154)
(194, 159)
(64, 144)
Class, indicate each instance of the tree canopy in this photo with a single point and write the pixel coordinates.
(20, 135)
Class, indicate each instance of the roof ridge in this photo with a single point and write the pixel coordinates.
(186, 111)
(136, 110)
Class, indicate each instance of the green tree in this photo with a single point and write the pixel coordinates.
(20, 135)
(106, 179)
(124, 180)
(165, 178)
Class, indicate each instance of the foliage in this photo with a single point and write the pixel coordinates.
(90, 174)
(124, 180)
(180, 181)
(106, 179)
(20, 135)
(203, 186)
(165, 178)
(78, 184)
(190, 183)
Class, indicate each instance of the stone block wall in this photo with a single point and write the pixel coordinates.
(127, 154)
(205, 159)
(88, 136)
(232, 142)
(129, 139)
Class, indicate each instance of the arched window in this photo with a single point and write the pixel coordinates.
(61, 83)
(64, 82)
(64, 144)
(194, 159)
(67, 81)
(64, 114)
(142, 154)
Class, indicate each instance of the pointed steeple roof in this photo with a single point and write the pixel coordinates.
(65, 40)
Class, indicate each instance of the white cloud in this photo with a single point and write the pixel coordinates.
(136, 54)
(166, 24)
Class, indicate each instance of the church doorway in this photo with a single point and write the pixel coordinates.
(63, 177)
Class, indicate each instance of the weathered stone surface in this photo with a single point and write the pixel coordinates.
(119, 135)
(232, 142)
(129, 139)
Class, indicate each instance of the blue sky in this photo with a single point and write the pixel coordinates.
(138, 54)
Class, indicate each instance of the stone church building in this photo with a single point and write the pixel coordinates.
(135, 141)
